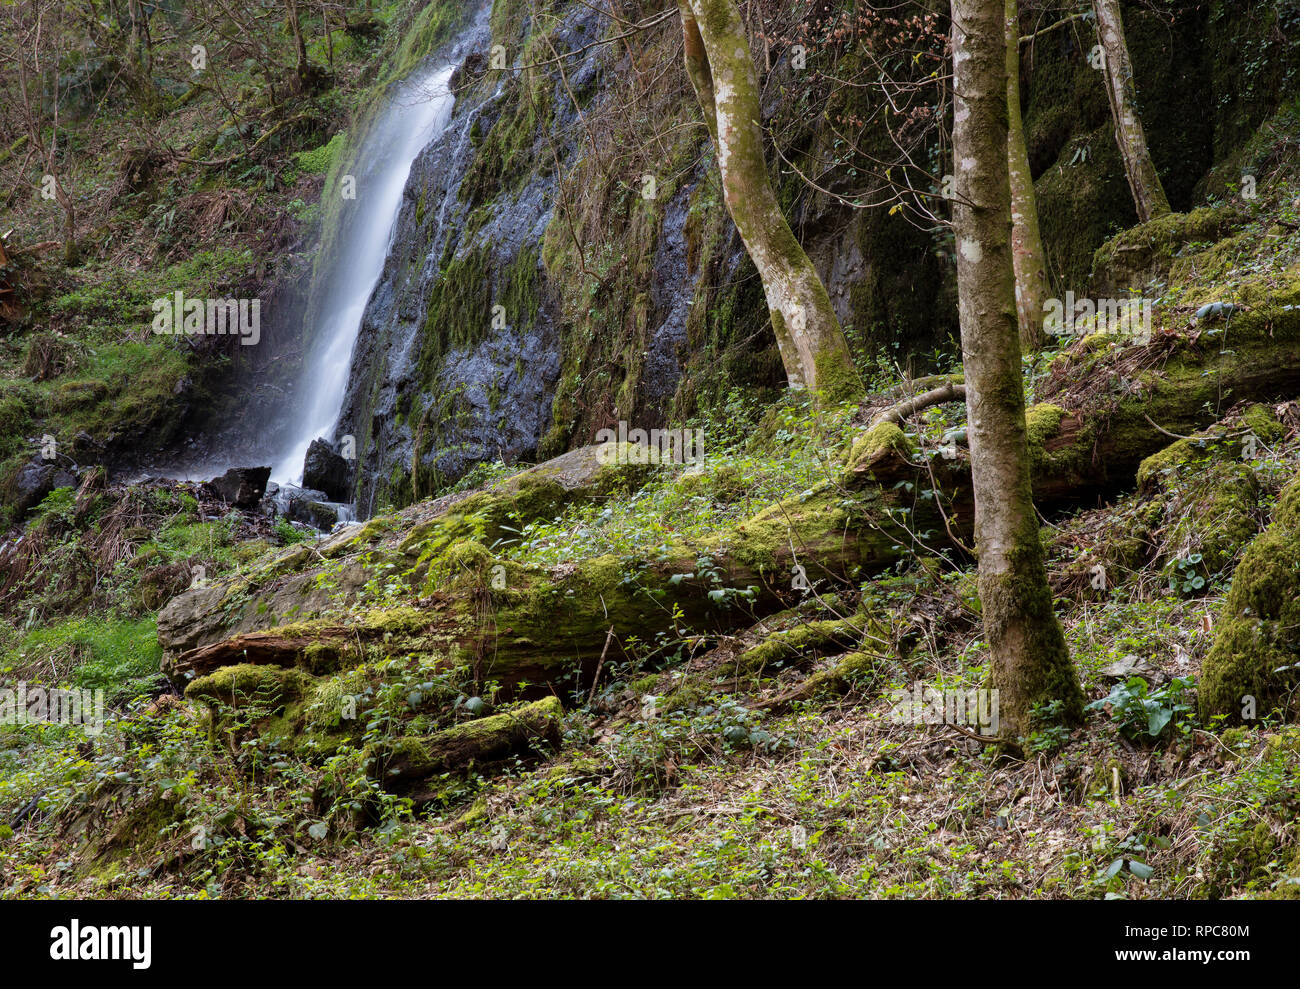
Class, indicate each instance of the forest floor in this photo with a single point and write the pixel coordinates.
(681, 772)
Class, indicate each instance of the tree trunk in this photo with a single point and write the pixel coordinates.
(300, 46)
(70, 253)
(1148, 194)
(533, 728)
(1030, 662)
(1026, 240)
(718, 61)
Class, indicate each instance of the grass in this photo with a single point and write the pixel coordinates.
(118, 655)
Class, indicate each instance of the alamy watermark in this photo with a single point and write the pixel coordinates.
(655, 446)
(34, 705)
(1129, 318)
(976, 707)
(177, 315)
(95, 942)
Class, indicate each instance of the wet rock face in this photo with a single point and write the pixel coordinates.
(325, 470)
(242, 487)
(322, 515)
(429, 398)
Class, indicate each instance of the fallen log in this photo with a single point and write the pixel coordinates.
(531, 729)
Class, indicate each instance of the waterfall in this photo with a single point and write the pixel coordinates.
(416, 113)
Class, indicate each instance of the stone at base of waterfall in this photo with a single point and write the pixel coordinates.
(242, 487)
(321, 515)
(326, 470)
(36, 480)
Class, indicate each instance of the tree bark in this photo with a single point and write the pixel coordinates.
(1026, 239)
(532, 728)
(1030, 662)
(1148, 194)
(295, 27)
(808, 333)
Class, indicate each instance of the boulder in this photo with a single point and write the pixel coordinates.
(320, 515)
(242, 487)
(327, 471)
(36, 480)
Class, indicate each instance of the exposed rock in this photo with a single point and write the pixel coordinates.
(242, 487)
(325, 470)
(321, 515)
(192, 619)
(36, 480)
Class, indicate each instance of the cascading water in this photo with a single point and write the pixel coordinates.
(418, 111)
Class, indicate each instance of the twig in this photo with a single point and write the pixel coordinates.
(609, 637)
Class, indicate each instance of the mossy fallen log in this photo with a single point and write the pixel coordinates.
(319, 647)
(530, 729)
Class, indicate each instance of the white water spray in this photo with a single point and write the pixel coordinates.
(417, 113)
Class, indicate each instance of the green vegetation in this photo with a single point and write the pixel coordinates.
(657, 680)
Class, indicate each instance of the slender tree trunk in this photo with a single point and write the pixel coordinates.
(718, 61)
(1026, 239)
(697, 68)
(1030, 662)
(1148, 194)
(300, 46)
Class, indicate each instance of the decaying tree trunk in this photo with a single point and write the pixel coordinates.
(1148, 193)
(529, 729)
(718, 61)
(1030, 662)
(1026, 239)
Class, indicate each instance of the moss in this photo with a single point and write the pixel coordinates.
(322, 657)
(851, 671)
(250, 682)
(837, 379)
(1163, 462)
(489, 516)
(134, 834)
(1018, 615)
(875, 442)
(802, 643)
(1042, 423)
(1211, 514)
(1261, 421)
(432, 27)
(1157, 469)
(456, 747)
(321, 160)
(685, 697)
(1256, 650)
(1146, 252)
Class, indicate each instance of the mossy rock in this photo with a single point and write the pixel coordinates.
(1147, 252)
(1257, 648)
(250, 682)
(876, 444)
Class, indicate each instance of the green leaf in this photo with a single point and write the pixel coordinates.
(1157, 719)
